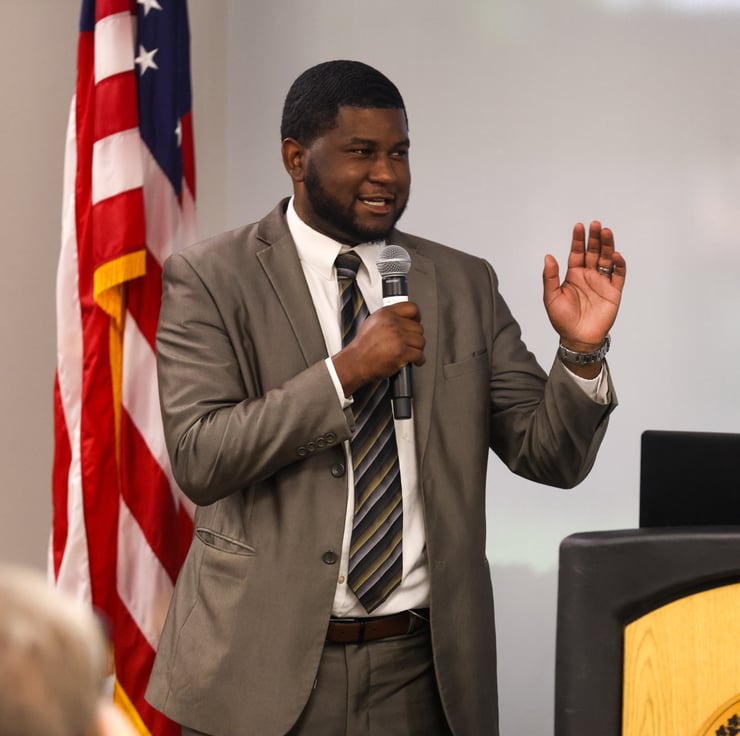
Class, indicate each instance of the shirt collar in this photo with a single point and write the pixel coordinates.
(319, 251)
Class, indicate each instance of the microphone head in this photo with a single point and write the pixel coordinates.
(393, 261)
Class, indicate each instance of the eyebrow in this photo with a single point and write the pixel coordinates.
(372, 142)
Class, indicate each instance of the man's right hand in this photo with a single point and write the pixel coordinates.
(387, 340)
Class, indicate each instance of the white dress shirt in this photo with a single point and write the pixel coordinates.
(317, 254)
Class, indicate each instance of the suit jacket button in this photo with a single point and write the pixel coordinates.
(302, 452)
(337, 470)
(330, 437)
(330, 558)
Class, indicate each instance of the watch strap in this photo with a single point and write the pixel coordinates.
(576, 358)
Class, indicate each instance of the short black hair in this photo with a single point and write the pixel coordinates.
(313, 100)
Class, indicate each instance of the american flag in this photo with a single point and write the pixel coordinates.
(121, 526)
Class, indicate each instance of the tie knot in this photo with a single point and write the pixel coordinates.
(347, 265)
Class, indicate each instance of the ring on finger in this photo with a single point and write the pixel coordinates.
(605, 271)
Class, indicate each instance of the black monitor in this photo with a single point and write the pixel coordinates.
(689, 478)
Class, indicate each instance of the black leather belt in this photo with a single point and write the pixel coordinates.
(357, 630)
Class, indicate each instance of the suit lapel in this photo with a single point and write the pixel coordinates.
(423, 291)
(283, 267)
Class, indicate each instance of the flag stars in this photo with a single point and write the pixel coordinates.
(149, 5)
(178, 133)
(145, 60)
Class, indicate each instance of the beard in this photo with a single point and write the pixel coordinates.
(343, 219)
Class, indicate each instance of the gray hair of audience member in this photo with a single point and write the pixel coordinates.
(53, 656)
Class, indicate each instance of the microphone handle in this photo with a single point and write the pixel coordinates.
(396, 289)
(401, 393)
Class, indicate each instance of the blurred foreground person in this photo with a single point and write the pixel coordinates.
(53, 661)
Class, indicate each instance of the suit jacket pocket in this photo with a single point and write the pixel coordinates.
(477, 361)
(223, 543)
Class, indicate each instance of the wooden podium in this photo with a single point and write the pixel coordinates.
(648, 633)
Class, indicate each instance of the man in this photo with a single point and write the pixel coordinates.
(53, 659)
(280, 623)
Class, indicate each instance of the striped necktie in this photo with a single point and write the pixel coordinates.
(375, 561)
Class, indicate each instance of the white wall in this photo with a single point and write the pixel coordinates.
(37, 47)
(526, 116)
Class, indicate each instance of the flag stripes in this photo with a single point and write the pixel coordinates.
(121, 526)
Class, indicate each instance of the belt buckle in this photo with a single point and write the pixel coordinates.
(358, 621)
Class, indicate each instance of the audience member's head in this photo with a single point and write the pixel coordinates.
(53, 657)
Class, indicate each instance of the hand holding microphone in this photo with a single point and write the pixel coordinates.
(389, 340)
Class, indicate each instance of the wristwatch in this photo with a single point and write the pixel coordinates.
(571, 356)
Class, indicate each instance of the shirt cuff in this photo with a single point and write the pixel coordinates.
(597, 389)
(345, 402)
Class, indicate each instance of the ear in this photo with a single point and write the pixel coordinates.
(294, 159)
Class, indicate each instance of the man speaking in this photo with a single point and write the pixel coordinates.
(337, 581)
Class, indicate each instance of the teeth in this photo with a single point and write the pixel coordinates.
(375, 202)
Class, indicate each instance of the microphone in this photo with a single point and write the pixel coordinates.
(393, 264)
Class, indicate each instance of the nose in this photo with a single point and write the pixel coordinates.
(382, 169)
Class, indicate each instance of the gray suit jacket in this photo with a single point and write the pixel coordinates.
(255, 433)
